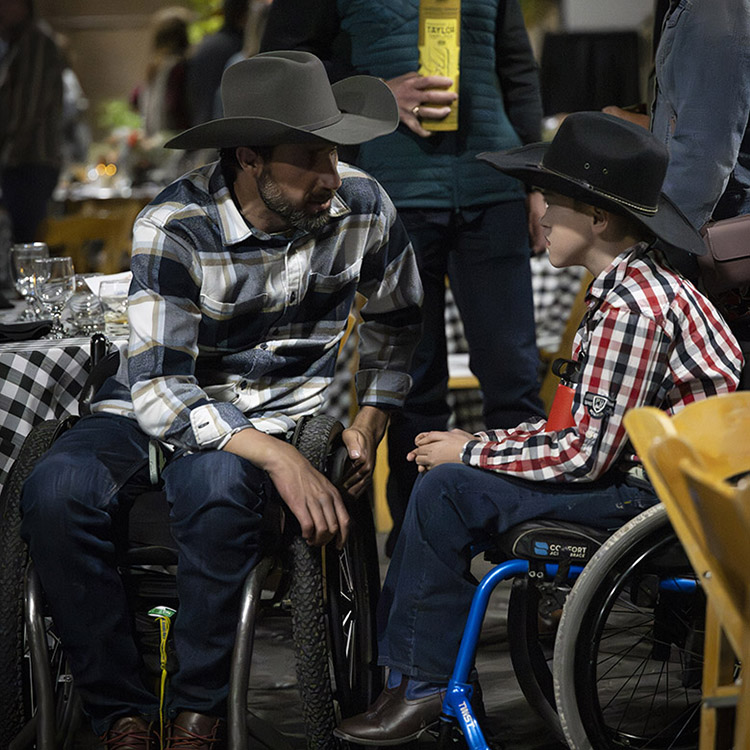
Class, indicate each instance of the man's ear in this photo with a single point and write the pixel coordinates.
(248, 158)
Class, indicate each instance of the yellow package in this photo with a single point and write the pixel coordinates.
(439, 50)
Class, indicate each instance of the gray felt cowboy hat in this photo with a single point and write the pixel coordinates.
(285, 97)
(607, 162)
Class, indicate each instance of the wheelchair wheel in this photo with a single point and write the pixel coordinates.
(17, 704)
(531, 653)
(628, 655)
(334, 594)
(352, 585)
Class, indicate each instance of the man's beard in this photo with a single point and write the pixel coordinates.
(276, 201)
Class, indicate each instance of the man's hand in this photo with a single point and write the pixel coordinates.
(422, 98)
(535, 209)
(313, 500)
(361, 441)
(435, 448)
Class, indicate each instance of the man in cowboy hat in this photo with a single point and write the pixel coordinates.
(648, 338)
(244, 272)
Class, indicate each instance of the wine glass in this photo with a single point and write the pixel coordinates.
(22, 257)
(54, 283)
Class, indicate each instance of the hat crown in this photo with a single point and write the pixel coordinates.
(288, 86)
(611, 156)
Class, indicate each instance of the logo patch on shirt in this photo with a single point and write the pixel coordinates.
(599, 406)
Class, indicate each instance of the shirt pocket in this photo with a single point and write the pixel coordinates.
(222, 311)
(321, 283)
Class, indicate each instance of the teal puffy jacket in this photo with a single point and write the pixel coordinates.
(499, 100)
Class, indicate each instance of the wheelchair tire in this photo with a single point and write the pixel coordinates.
(16, 690)
(531, 654)
(349, 583)
(628, 654)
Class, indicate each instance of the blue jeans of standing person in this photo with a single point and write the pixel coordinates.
(428, 589)
(484, 252)
(70, 503)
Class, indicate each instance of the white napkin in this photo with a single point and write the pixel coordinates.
(94, 282)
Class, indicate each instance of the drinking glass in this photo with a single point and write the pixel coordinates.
(54, 283)
(86, 309)
(22, 259)
(114, 296)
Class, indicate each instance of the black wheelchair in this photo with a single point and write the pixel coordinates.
(330, 596)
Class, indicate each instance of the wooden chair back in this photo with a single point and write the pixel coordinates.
(97, 243)
(691, 459)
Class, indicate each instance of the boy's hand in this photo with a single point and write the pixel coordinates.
(435, 448)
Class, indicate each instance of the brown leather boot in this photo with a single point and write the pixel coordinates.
(194, 731)
(131, 733)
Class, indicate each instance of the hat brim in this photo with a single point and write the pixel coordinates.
(368, 110)
(668, 223)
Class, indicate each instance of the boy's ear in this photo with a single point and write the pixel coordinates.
(599, 215)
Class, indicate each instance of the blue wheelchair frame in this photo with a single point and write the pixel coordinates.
(457, 708)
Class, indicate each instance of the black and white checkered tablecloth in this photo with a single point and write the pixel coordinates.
(39, 380)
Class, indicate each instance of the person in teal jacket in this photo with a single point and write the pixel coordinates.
(466, 222)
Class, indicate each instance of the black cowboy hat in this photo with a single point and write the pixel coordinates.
(607, 162)
(285, 97)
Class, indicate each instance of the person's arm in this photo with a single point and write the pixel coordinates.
(625, 366)
(388, 334)
(311, 26)
(518, 72)
(709, 91)
(164, 317)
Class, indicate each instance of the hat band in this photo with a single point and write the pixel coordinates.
(323, 123)
(611, 196)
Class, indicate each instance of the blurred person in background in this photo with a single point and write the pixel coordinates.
(31, 102)
(465, 223)
(76, 130)
(162, 99)
(206, 64)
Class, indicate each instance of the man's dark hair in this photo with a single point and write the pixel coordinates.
(228, 158)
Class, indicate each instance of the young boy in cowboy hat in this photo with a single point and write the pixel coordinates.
(648, 338)
(244, 272)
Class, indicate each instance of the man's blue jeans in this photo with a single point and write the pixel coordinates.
(69, 505)
(484, 252)
(428, 588)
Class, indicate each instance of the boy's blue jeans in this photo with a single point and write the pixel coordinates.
(428, 588)
(69, 504)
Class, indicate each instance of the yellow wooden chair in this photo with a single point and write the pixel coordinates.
(709, 436)
(724, 510)
(97, 243)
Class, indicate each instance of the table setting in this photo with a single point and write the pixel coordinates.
(45, 340)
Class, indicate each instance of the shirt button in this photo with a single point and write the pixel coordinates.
(264, 345)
